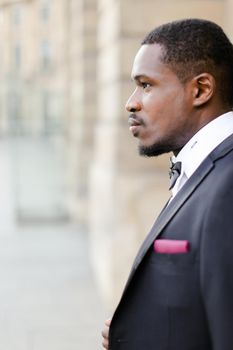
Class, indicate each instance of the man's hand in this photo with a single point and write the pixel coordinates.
(105, 333)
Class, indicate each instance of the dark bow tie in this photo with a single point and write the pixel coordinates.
(174, 173)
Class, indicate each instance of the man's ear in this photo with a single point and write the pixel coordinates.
(203, 89)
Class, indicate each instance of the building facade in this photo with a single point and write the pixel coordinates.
(33, 66)
(33, 95)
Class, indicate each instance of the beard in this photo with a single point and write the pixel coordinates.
(157, 149)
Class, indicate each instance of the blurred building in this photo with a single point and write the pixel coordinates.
(33, 95)
(69, 62)
(33, 66)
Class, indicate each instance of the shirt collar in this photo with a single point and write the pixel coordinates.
(204, 142)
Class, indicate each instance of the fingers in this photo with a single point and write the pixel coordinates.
(105, 334)
(108, 322)
(105, 343)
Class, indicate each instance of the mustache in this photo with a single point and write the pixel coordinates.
(134, 119)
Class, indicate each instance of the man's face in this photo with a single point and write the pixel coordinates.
(160, 107)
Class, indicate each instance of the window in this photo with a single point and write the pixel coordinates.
(1, 17)
(17, 56)
(17, 14)
(45, 54)
(45, 10)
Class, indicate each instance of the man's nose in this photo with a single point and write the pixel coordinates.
(132, 105)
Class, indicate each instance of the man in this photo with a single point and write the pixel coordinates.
(179, 295)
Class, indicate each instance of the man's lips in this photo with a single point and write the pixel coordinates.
(133, 122)
(134, 125)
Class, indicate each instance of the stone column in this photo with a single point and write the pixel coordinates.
(228, 23)
(81, 114)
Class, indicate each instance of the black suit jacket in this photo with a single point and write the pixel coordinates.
(185, 301)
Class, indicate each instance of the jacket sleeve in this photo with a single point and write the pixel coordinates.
(216, 269)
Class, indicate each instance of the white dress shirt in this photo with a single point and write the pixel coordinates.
(200, 146)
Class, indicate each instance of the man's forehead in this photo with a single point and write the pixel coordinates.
(146, 59)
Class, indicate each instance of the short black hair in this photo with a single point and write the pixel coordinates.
(194, 46)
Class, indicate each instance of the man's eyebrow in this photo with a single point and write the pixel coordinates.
(139, 77)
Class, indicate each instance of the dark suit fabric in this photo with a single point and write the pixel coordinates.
(185, 301)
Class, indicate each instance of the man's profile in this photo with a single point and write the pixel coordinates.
(179, 292)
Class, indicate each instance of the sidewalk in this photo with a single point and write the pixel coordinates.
(48, 299)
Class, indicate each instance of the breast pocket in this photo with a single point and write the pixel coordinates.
(176, 263)
(175, 277)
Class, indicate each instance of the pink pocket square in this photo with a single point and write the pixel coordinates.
(171, 246)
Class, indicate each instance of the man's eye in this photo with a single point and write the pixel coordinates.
(145, 85)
